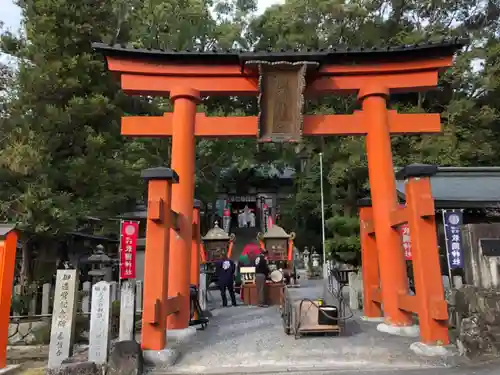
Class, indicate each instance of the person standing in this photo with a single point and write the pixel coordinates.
(261, 275)
(225, 270)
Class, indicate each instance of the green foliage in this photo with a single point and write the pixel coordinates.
(343, 225)
(61, 151)
(62, 156)
(466, 99)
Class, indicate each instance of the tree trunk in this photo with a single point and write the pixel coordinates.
(350, 201)
(25, 276)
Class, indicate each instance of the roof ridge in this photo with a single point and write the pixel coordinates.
(456, 42)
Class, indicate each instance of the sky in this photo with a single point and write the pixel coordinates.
(11, 17)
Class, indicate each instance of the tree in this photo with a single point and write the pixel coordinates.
(62, 157)
(61, 154)
(466, 98)
(189, 25)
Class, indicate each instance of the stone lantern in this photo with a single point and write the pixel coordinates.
(277, 242)
(315, 258)
(306, 254)
(217, 244)
(101, 265)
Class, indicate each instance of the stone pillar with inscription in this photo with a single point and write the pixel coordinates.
(114, 291)
(138, 295)
(63, 318)
(46, 290)
(100, 323)
(86, 287)
(127, 311)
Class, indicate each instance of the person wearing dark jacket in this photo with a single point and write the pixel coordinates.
(261, 275)
(225, 270)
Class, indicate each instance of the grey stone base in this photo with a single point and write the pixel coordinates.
(379, 319)
(80, 368)
(177, 342)
(161, 358)
(406, 331)
(126, 359)
(9, 369)
(426, 350)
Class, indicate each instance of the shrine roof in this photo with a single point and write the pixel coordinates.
(332, 55)
(463, 187)
(458, 187)
(5, 229)
(88, 236)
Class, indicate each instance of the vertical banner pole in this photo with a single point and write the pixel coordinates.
(454, 252)
(447, 247)
(323, 235)
(120, 256)
(129, 233)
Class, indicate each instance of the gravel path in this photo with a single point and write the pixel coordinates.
(250, 339)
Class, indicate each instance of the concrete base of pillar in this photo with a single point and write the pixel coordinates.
(426, 350)
(177, 341)
(406, 331)
(160, 358)
(379, 319)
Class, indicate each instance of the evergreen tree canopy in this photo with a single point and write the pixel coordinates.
(62, 157)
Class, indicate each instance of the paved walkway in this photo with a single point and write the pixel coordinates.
(251, 340)
(490, 369)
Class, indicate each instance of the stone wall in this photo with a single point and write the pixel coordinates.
(478, 325)
(477, 270)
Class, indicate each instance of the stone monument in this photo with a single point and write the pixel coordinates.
(86, 287)
(63, 318)
(305, 255)
(127, 311)
(100, 320)
(46, 291)
(138, 295)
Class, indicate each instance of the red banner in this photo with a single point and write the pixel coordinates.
(129, 233)
(404, 230)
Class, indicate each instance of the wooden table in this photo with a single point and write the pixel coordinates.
(273, 294)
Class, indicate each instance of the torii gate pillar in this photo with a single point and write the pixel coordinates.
(8, 246)
(383, 192)
(183, 159)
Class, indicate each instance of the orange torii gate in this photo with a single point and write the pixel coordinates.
(281, 81)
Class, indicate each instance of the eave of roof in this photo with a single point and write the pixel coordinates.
(93, 237)
(459, 187)
(464, 187)
(6, 228)
(332, 55)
